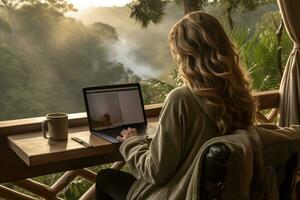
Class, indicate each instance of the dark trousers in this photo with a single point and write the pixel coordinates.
(113, 184)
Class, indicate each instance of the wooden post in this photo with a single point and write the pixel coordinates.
(279, 48)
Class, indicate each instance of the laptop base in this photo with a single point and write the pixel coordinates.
(111, 135)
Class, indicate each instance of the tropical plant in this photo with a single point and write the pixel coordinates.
(155, 91)
(258, 50)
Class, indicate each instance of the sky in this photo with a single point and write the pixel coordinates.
(82, 4)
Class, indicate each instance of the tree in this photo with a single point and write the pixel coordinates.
(61, 6)
(10, 6)
(13, 4)
(147, 11)
(231, 5)
(104, 31)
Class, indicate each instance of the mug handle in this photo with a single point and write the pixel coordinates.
(44, 128)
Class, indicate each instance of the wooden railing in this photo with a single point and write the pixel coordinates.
(268, 102)
(267, 112)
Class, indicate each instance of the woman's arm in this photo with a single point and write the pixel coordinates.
(156, 162)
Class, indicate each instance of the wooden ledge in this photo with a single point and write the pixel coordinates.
(75, 120)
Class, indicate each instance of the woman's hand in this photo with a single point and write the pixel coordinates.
(127, 133)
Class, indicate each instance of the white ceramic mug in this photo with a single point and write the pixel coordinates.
(57, 124)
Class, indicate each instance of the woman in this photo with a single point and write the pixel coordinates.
(215, 100)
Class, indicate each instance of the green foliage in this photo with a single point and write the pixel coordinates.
(244, 4)
(147, 11)
(61, 6)
(155, 91)
(176, 77)
(76, 189)
(104, 31)
(258, 50)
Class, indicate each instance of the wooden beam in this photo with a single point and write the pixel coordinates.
(272, 115)
(90, 194)
(118, 165)
(37, 188)
(63, 181)
(261, 118)
(8, 193)
(267, 99)
(87, 174)
(46, 191)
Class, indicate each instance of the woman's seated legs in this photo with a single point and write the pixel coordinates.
(113, 184)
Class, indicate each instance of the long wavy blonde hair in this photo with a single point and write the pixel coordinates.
(210, 66)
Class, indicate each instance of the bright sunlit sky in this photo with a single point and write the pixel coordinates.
(81, 4)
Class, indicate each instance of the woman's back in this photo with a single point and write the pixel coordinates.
(164, 172)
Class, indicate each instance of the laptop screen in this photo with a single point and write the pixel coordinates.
(114, 107)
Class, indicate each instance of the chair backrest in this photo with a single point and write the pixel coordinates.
(214, 171)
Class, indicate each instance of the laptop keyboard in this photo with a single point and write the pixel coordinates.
(116, 132)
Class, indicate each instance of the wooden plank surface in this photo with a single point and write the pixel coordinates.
(35, 150)
(12, 168)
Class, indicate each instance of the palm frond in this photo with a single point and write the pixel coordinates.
(147, 11)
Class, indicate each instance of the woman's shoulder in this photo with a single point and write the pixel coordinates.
(181, 92)
(180, 95)
(192, 102)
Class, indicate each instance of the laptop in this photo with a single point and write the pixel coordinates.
(110, 109)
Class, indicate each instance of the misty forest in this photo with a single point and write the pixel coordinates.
(49, 50)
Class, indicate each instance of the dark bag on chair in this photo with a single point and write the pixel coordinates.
(214, 171)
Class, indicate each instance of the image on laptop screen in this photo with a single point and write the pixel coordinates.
(110, 108)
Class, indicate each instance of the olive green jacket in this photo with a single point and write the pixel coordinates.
(168, 167)
(164, 166)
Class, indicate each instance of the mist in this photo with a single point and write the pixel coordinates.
(143, 50)
(123, 51)
(49, 59)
